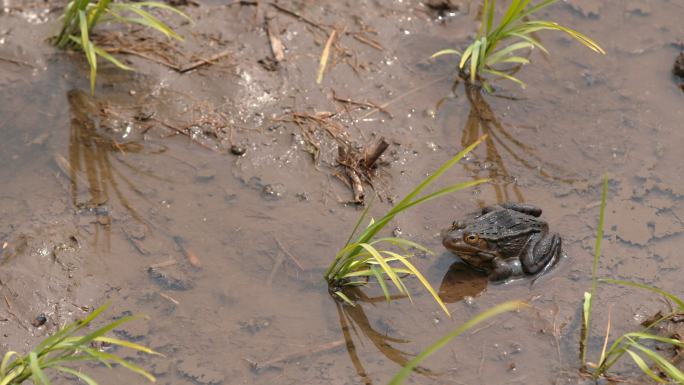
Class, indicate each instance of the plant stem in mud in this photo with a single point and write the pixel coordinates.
(589, 297)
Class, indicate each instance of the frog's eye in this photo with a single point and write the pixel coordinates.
(471, 238)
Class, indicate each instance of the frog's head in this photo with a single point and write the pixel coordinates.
(463, 239)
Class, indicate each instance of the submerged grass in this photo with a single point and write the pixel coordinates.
(497, 45)
(630, 343)
(66, 347)
(81, 16)
(362, 259)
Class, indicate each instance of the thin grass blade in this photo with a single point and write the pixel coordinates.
(156, 4)
(491, 312)
(644, 367)
(127, 344)
(345, 298)
(446, 52)
(497, 56)
(663, 363)
(37, 374)
(505, 76)
(6, 362)
(381, 281)
(325, 55)
(104, 54)
(82, 376)
(672, 297)
(385, 267)
(422, 280)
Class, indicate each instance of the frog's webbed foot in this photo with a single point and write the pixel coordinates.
(524, 208)
(542, 249)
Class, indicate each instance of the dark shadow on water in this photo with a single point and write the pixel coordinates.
(482, 120)
(355, 324)
(461, 281)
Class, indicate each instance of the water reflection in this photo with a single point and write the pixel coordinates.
(355, 323)
(93, 169)
(482, 120)
(461, 281)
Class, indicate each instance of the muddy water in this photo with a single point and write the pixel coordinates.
(103, 200)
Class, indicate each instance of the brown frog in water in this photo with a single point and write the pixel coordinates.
(505, 241)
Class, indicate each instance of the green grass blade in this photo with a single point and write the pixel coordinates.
(584, 334)
(385, 267)
(663, 363)
(505, 76)
(345, 298)
(130, 366)
(447, 190)
(87, 47)
(497, 56)
(515, 59)
(82, 376)
(127, 344)
(530, 40)
(104, 54)
(6, 362)
(381, 282)
(466, 55)
(148, 20)
(358, 223)
(648, 336)
(490, 16)
(644, 367)
(37, 374)
(483, 23)
(491, 312)
(446, 52)
(94, 16)
(156, 4)
(474, 60)
(101, 331)
(672, 297)
(422, 280)
(403, 242)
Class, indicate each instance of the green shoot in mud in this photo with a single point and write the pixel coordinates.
(360, 260)
(629, 343)
(497, 45)
(81, 16)
(491, 312)
(65, 347)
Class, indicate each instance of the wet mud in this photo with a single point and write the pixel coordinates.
(211, 198)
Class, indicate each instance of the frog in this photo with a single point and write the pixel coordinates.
(506, 241)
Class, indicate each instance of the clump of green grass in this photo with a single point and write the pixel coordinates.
(491, 312)
(67, 347)
(498, 45)
(362, 259)
(81, 16)
(632, 343)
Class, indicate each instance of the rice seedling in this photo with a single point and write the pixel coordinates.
(65, 347)
(497, 45)
(81, 16)
(491, 312)
(362, 259)
(631, 343)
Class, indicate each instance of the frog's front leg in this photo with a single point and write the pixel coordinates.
(541, 250)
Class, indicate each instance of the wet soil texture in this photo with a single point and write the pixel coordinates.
(204, 188)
